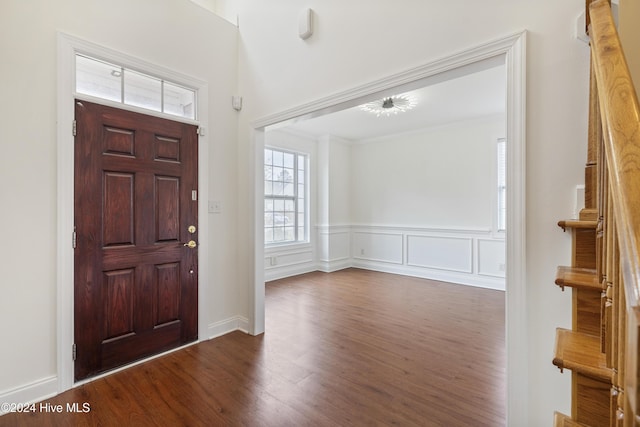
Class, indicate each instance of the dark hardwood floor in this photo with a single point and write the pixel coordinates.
(353, 347)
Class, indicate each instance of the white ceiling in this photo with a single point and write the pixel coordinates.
(469, 96)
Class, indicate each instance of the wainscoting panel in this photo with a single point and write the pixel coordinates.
(491, 257)
(338, 246)
(442, 253)
(472, 257)
(376, 246)
(287, 261)
(334, 243)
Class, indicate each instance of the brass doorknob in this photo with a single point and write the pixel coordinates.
(191, 244)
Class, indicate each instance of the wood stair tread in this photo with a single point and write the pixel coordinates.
(583, 278)
(561, 420)
(578, 223)
(581, 353)
(589, 214)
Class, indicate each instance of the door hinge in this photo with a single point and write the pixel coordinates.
(75, 127)
(200, 131)
(194, 195)
(74, 351)
(74, 239)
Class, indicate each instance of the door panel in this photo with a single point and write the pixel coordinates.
(135, 280)
(118, 197)
(167, 208)
(118, 288)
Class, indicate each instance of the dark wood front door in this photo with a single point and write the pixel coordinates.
(136, 283)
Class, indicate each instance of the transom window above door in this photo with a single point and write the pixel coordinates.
(112, 82)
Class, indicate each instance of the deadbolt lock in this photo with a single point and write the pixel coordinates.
(191, 244)
(191, 229)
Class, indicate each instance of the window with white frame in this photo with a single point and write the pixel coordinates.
(114, 82)
(285, 197)
(502, 183)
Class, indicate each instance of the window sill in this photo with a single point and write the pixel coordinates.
(280, 247)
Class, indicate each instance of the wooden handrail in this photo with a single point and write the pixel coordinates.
(587, 18)
(620, 115)
(603, 347)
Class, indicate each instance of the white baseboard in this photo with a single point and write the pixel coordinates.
(275, 273)
(223, 327)
(476, 280)
(432, 274)
(32, 392)
(334, 265)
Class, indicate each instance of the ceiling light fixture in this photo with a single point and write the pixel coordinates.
(390, 105)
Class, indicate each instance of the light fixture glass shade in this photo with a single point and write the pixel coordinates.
(390, 105)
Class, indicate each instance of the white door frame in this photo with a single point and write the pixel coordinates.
(68, 46)
(513, 48)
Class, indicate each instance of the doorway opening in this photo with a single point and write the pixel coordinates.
(408, 189)
(512, 50)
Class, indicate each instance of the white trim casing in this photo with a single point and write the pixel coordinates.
(513, 49)
(256, 295)
(68, 46)
(516, 274)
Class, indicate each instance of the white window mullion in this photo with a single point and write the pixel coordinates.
(502, 184)
(107, 80)
(295, 194)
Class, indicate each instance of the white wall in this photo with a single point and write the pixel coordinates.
(441, 177)
(340, 196)
(174, 34)
(334, 203)
(322, 178)
(279, 71)
(423, 203)
(334, 180)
